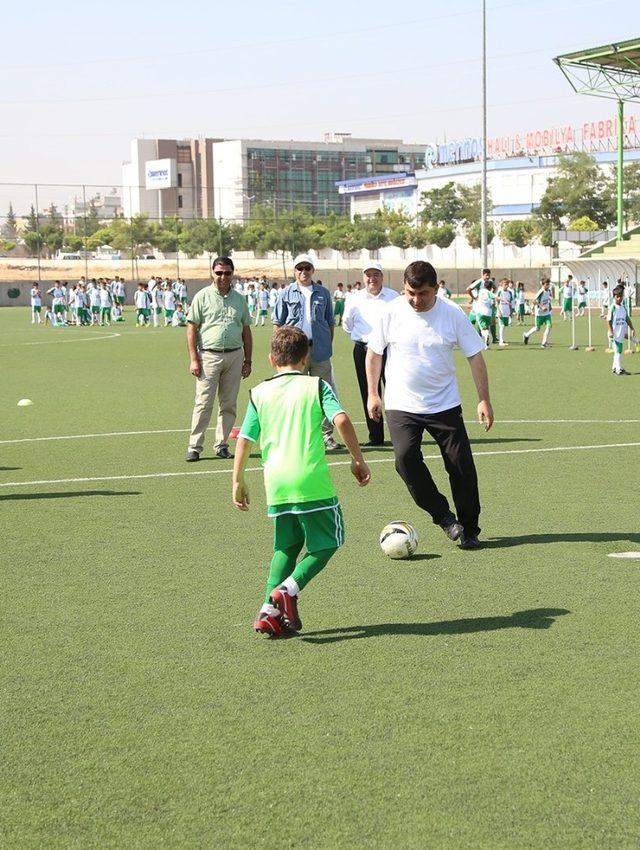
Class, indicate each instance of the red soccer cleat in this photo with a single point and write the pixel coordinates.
(269, 625)
(288, 607)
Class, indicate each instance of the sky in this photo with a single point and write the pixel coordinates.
(80, 80)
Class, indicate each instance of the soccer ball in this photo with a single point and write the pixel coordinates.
(398, 540)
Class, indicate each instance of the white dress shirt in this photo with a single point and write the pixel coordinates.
(363, 311)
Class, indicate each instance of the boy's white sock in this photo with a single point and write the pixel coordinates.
(290, 586)
(617, 361)
(267, 608)
(501, 333)
(485, 337)
(545, 336)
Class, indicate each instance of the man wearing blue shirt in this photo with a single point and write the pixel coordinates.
(307, 305)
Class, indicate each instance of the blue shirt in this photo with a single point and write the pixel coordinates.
(289, 310)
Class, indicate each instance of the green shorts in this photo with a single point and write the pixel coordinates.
(59, 308)
(158, 310)
(521, 309)
(144, 312)
(472, 318)
(542, 320)
(320, 528)
(484, 322)
(504, 320)
(618, 345)
(119, 299)
(169, 313)
(35, 308)
(567, 305)
(581, 304)
(105, 311)
(95, 310)
(338, 308)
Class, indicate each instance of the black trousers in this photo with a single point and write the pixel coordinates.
(376, 429)
(448, 430)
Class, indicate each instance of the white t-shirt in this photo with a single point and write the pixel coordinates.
(484, 302)
(169, 299)
(363, 310)
(36, 298)
(94, 297)
(105, 298)
(505, 300)
(420, 372)
(306, 314)
(273, 297)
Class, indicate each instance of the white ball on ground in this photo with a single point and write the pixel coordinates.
(398, 539)
(25, 402)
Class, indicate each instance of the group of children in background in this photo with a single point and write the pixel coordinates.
(161, 302)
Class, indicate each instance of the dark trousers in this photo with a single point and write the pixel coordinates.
(448, 430)
(376, 429)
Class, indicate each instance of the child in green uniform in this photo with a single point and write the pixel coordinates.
(619, 325)
(285, 413)
(544, 306)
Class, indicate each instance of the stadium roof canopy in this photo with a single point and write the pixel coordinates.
(612, 70)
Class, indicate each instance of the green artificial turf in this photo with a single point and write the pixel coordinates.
(457, 700)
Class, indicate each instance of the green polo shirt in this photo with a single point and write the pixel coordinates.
(220, 318)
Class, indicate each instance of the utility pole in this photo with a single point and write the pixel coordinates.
(483, 192)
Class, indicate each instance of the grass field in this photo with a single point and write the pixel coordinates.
(458, 700)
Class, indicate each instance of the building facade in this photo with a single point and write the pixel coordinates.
(226, 178)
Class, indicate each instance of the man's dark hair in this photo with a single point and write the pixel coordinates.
(289, 345)
(486, 271)
(419, 274)
(223, 261)
(617, 290)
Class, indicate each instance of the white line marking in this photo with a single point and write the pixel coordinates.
(334, 463)
(632, 556)
(186, 430)
(56, 341)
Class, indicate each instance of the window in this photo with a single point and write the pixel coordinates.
(179, 202)
(179, 178)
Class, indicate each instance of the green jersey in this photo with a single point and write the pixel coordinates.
(285, 413)
(544, 302)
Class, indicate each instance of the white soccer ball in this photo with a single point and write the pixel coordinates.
(398, 539)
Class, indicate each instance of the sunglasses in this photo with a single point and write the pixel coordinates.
(305, 268)
(223, 274)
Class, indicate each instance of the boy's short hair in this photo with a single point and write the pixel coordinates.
(419, 274)
(617, 290)
(289, 345)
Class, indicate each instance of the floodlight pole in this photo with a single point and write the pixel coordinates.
(620, 215)
(483, 188)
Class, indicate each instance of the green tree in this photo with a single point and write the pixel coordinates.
(441, 206)
(10, 226)
(420, 236)
(73, 243)
(401, 236)
(6, 245)
(519, 232)
(88, 224)
(34, 241)
(371, 233)
(442, 235)
(473, 234)
(103, 236)
(33, 223)
(580, 188)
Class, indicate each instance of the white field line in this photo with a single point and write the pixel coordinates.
(186, 430)
(56, 341)
(228, 470)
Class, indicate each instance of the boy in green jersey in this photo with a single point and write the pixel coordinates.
(543, 306)
(619, 325)
(285, 413)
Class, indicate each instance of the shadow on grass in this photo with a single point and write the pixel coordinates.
(535, 618)
(9, 468)
(73, 494)
(568, 537)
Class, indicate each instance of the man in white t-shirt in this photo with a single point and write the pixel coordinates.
(419, 331)
(361, 314)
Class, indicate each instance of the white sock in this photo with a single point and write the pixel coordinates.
(290, 586)
(485, 337)
(501, 333)
(267, 608)
(617, 361)
(545, 336)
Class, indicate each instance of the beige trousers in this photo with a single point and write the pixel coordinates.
(323, 369)
(221, 374)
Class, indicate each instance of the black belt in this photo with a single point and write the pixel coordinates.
(360, 342)
(222, 350)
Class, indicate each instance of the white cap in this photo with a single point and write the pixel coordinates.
(373, 265)
(304, 258)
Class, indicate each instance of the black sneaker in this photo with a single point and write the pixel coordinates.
(224, 453)
(525, 339)
(192, 456)
(623, 372)
(451, 527)
(469, 541)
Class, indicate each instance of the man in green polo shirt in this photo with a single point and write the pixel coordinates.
(220, 345)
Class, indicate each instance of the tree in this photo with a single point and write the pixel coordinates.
(10, 226)
(73, 243)
(371, 233)
(420, 236)
(473, 235)
(33, 224)
(580, 188)
(441, 206)
(519, 232)
(341, 235)
(441, 236)
(89, 223)
(34, 241)
(401, 236)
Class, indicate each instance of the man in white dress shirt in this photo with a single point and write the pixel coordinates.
(418, 332)
(361, 314)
